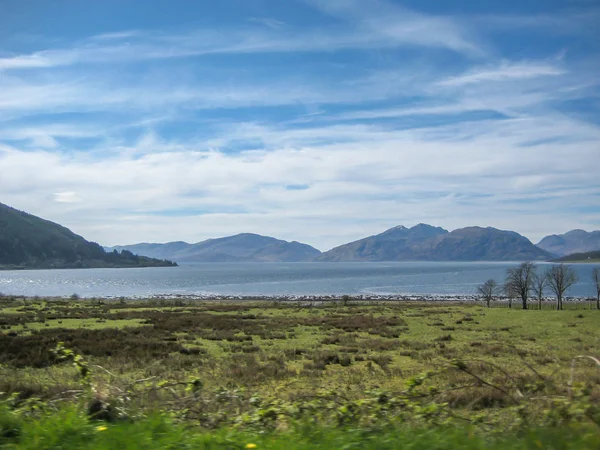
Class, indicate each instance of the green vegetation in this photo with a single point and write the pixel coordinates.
(174, 374)
(70, 429)
(28, 242)
(588, 257)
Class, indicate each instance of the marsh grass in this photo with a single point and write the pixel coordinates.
(293, 352)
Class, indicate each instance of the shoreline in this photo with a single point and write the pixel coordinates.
(427, 298)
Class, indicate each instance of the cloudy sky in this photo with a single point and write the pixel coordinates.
(316, 120)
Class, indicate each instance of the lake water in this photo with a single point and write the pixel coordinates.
(272, 279)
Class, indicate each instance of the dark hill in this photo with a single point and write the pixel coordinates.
(580, 257)
(29, 242)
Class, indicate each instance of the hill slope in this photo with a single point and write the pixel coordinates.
(580, 257)
(575, 241)
(29, 242)
(245, 247)
(427, 243)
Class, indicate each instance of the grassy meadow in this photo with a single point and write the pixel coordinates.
(243, 371)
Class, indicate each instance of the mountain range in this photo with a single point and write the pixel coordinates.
(419, 243)
(575, 241)
(29, 242)
(245, 247)
(426, 243)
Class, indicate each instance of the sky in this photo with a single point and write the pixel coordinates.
(321, 121)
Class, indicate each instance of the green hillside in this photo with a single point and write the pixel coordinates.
(29, 242)
(581, 257)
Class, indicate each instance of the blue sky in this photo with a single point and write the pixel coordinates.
(316, 120)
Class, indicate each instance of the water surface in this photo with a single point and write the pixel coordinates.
(272, 279)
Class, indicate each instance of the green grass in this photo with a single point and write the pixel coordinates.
(271, 366)
(74, 324)
(70, 429)
(423, 337)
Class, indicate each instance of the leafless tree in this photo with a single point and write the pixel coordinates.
(560, 278)
(539, 285)
(510, 298)
(519, 281)
(488, 290)
(596, 278)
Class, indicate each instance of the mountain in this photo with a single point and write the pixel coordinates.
(29, 242)
(161, 251)
(486, 244)
(575, 241)
(245, 247)
(581, 257)
(396, 244)
(427, 243)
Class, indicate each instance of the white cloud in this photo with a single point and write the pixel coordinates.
(66, 197)
(118, 35)
(378, 25)
(268, 22)
(45, 136)
(381, 178)
(402, 25)
(567, 22)
(510, 89)
(33, 61)
(503, 72)
(123, 155)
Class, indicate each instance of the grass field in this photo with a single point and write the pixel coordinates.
(70, 430)
(251, 367)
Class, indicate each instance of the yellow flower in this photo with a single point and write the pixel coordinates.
(101, 428)
(250, 445)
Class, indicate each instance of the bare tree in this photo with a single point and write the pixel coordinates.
(509, 294)
(596, 278)
(519, 281)
(488, 290)
(539, 285)
(510, 298)
(560, 278)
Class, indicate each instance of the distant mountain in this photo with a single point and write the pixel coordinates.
(426, 243)
(245, 247)
(396, 244)
(161, 251)
(580, 257)
(486, 244)
(575, 241)
(29, 242)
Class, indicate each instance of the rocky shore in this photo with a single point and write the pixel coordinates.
(340, 298)
(306, 299)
